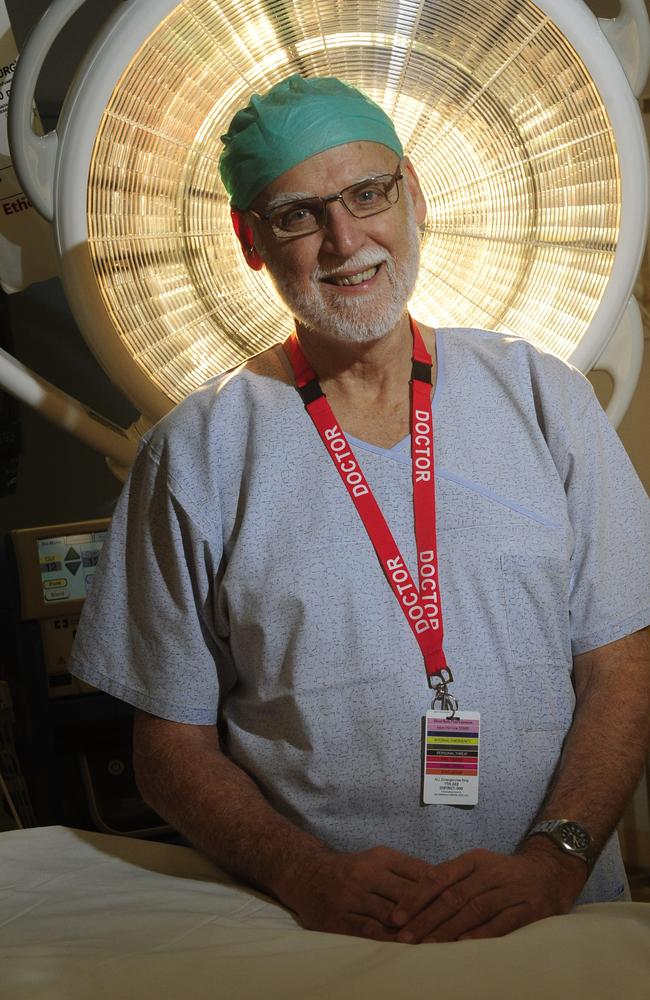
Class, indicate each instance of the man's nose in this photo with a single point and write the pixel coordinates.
(342, 233)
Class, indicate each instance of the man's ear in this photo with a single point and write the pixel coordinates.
(419, 201)
(246, 238)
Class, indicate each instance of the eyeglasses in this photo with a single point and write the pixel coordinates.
(308, 215)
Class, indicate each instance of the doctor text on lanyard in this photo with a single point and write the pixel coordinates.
(420, 604)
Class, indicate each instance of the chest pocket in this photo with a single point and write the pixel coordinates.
(536, 590)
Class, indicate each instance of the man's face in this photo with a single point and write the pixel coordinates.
(352, 279)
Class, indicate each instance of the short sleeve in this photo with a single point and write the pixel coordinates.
(610, 514)
(147, 633)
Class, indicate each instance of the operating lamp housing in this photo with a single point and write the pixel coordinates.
(519, 117)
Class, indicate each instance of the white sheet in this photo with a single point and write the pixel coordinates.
(85, 916)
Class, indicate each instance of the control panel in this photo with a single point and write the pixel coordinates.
(56, 566)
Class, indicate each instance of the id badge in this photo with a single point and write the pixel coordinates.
(451, 758)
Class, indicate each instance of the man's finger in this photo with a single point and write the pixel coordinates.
(391, 886)
(429, 919)
(362, 925)
(477, 912)
(470, 901)
(441, 880)
(378, 907)
(503, 923)
(412, 869)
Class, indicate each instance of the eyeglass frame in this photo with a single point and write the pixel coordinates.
(398, 175)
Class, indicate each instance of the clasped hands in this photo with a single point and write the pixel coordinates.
(389, 896)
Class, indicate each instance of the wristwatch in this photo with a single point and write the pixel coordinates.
(570, 837)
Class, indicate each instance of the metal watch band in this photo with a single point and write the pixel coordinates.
(558, 831)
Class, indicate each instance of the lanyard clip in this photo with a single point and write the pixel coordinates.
(443, 700)
(443, 676)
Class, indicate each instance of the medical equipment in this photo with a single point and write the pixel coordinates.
(73, 742)
(519, 116)
(55, 567)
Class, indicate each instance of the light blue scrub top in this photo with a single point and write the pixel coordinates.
(239, 584)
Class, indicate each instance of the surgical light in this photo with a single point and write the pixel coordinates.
(517, 115)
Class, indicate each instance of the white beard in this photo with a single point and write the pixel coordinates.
(364, 318)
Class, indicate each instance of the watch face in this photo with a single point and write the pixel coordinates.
(575, 838)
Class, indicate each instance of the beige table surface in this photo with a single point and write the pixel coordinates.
(85, 916)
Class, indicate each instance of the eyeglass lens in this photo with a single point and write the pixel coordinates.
(370, 197)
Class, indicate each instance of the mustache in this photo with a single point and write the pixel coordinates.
(362, 260)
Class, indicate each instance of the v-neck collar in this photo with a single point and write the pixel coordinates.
(398, 449)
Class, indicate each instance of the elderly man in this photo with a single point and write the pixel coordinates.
(292, 584)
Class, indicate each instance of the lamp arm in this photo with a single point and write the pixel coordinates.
(117, 445)
(629, 36)
(34, 156)
(622, 360)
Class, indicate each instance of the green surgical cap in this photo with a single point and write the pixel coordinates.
(295, 120)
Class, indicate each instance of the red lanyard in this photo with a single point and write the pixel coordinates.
(420, 606)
